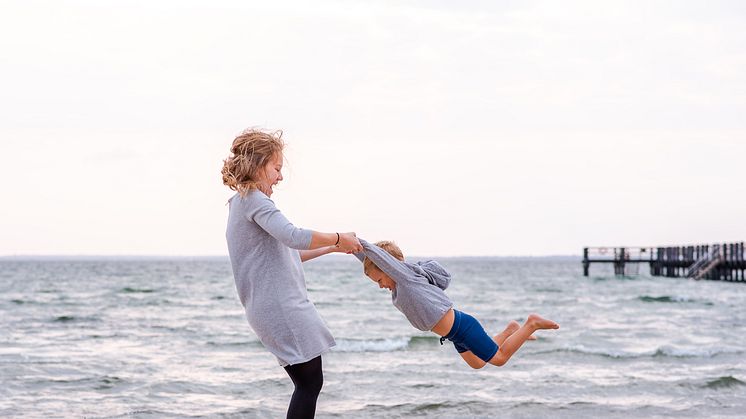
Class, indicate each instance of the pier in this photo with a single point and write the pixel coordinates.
(723, 262)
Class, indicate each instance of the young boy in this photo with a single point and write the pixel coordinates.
(417, 291)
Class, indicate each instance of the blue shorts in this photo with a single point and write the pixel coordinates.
(468, 335)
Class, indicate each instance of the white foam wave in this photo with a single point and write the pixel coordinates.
(371, 345)
(701, 352)
(611, 353)
(666, 350)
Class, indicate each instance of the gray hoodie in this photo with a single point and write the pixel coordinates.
(419, 286)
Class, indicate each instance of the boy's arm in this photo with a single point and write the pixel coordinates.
(360, 256)
(390, 265)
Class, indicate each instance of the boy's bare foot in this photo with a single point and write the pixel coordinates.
(541, 323)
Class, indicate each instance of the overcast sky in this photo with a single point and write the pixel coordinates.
(453, 128)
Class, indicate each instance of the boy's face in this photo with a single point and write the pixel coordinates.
(383, 280)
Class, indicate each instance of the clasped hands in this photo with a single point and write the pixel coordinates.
(349, 243)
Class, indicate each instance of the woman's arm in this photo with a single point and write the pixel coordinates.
(346, 242)
(306, 255)
(274, 222)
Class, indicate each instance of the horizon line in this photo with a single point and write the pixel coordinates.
(226, 256)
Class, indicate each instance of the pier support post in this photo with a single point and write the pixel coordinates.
(586, 263)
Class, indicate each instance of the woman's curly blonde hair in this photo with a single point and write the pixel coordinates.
(252, 150)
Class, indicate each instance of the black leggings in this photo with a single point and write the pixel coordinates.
(308, 379)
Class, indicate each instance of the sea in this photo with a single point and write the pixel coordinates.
(167, 338)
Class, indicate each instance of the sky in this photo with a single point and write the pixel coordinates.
(454, 128)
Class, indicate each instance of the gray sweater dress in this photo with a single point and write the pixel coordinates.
(419, 286)
(262, 245)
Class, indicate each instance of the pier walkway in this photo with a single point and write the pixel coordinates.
(725, 262)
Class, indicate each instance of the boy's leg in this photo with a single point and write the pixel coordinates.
(513, 342)
(475, 362)
(472, 360)
(511, 328)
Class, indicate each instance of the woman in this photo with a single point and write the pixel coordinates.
(266, 252)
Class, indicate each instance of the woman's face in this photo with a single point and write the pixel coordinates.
(270, 175)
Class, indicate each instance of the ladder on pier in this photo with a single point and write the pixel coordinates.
(706, 263)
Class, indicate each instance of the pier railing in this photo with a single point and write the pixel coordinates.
(706, 263)
(725, 261)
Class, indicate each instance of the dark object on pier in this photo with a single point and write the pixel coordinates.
(725, 262)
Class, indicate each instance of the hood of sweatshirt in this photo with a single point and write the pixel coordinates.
(434, 272)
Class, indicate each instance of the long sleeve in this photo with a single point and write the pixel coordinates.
(269, 218)
(390, 265)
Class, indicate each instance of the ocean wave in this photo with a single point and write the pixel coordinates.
(418, 341)
(372, 345)
(247, 343)
(430, 407)
(108, 382)
(449, 408)
(75, 319)
(701, 352)
(100, 382)
(663, 351)
(549, 290)
(64, 319)
(386, 345)
(724, 382)
(670, 299)
(582, 350)
(132, 290)
(142, 413)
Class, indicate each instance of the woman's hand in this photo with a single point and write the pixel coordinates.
(349, 243)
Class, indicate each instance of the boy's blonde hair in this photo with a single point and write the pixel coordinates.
(388, 246)
(252, 150)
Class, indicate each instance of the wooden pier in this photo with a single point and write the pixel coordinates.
(724, 262)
